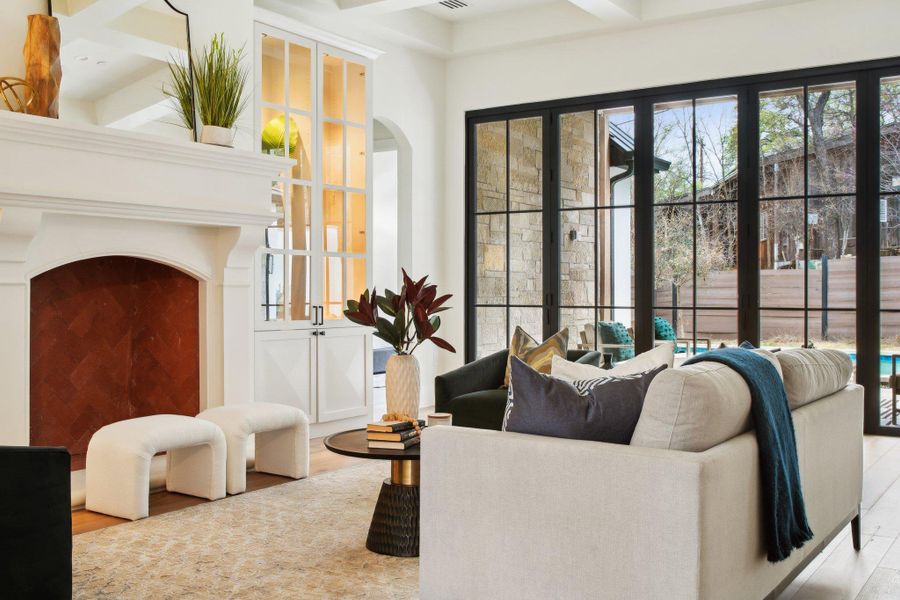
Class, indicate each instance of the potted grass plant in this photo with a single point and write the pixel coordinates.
(217, 89)
(410, 319)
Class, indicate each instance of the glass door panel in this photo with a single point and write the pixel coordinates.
(285, 129)
(333, 221)
(332, 87)
(356, 223)
(300, 78)
(889, 238)
(345, 204)
(332, 154)
(509, 229)
(273, 67)
(356, 93)
(299, 146)
(807, 235)
(695, 220)
(356, 157)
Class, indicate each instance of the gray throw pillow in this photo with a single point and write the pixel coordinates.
(605, 409)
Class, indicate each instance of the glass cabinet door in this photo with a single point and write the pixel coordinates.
(344, 201)
(313, 108)
(286, 81)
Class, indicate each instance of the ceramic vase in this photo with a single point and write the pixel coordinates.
(217, 136)
(402, 384)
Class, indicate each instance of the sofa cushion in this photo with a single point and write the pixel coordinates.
(664, 354)
(811, 374)
(605, 409)
(526, 348)
(695, 407)
(483, 409)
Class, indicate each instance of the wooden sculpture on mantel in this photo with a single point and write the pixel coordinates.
(42, 68)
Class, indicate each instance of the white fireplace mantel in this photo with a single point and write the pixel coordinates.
(70, 192)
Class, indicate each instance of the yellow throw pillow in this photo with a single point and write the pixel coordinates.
(537, 356)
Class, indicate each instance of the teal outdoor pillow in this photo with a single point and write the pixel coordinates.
(663, 329)
(613, 332)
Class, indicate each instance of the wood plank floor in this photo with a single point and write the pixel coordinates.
(320, 461)
(838, 573)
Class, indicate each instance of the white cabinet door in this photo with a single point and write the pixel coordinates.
(285, 369)
(344, 370)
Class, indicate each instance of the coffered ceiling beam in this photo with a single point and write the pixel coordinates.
(85, 16)
(381, 6)
(611, 10)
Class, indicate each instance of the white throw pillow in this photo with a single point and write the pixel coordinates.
(811, 374)
(664, 354)
(696, 407)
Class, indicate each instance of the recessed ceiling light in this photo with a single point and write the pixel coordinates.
(81, 58)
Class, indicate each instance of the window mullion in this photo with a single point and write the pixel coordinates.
(748, 216)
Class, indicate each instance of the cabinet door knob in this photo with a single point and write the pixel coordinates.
(321, 333)
(315, 333)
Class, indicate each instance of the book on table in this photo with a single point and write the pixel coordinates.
(397, 436)
(380, 445)
(392, 426)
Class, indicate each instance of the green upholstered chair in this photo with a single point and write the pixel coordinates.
(473, 392)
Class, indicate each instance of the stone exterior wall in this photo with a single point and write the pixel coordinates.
(525, 252)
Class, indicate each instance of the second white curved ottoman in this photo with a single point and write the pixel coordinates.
(282, 440)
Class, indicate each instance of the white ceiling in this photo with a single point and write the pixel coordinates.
(487, 25)
(478, 8)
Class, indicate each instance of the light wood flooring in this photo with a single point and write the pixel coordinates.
(320, 461)
(838, 573)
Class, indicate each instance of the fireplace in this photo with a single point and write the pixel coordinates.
(112, 338)
(97, 224)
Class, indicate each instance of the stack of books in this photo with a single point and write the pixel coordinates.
(393, 435)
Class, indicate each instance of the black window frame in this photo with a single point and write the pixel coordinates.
(867, 77)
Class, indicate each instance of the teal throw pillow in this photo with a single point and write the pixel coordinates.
(613, 332)
(664, 330)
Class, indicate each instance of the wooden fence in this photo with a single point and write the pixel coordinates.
(783, 288)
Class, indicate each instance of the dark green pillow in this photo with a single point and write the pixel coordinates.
(613, 332)
(663, 329)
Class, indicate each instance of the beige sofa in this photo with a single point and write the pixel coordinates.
(515, 516)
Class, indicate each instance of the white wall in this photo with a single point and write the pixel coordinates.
(385, 269)
(820, 32)
(13, 25)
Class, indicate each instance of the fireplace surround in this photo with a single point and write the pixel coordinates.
(72, 193)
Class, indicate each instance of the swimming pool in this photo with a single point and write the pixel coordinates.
(885, 363)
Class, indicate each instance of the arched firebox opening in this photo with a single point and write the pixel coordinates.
(112, 338)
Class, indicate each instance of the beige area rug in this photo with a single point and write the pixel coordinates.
(304, 539)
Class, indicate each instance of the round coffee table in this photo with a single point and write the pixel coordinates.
(395, 523)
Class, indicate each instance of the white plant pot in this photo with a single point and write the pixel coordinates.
(217, 136)
(402, 384)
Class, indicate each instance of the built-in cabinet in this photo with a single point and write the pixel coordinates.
(313, 105)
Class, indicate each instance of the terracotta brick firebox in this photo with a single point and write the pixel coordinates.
(112, 338)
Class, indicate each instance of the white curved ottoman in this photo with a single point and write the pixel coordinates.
(282, 440)
(117, 478)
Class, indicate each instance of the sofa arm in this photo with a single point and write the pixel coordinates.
(35, 522)
(486, 373)
(507, 515)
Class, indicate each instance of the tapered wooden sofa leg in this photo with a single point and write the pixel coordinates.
(855, 531)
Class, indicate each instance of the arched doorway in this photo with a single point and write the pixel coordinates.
(392, 199)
